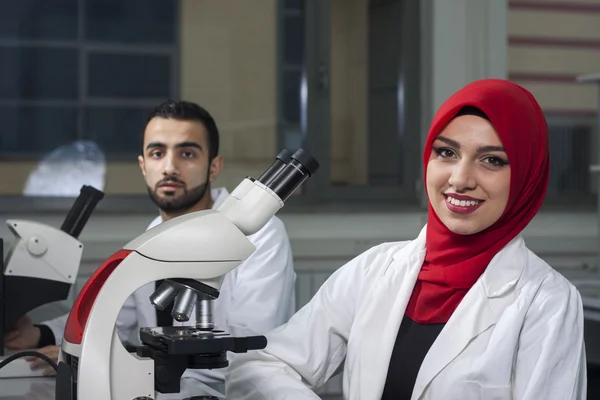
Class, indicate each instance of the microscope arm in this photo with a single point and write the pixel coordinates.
(103, 363)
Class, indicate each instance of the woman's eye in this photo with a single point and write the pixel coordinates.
(495, 161)
(444, 152)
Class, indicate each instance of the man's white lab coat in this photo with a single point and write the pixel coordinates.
(517, 334)
(256, 297)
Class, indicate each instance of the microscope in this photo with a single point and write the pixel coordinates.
(42, 264)
(191, 253)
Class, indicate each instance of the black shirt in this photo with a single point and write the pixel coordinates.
(411, 347)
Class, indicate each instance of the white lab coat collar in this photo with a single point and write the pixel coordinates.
(505, 269)
(479, 310)
(218, 196)
(502, 273)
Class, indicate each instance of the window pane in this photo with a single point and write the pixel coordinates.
(569, 163)
(36, 130)
(38, 73)
(41, 20)
(385, 143)
(291, 95)
(132, 21)
(293, 137)
(139, 76)
(294, 4)
(368, 144)
(293, 39)
(116, 130)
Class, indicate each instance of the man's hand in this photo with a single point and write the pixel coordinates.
(23, 335)
(36, 362)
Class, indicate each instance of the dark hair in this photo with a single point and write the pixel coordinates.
(471, 110)
(188, 111)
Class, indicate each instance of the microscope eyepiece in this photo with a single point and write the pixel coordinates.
(282, 159)
(81, 210)
(299, 168)
(307, 161)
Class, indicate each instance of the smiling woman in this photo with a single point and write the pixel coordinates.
(464, 311)
(468, 175)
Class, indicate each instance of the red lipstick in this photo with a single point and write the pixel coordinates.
(462, 204)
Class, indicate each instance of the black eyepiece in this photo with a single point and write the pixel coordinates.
(282, 159)
(306, 160)
(300, 167)
(81, 210)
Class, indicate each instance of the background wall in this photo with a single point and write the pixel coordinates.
(228, 63)
(550, 44)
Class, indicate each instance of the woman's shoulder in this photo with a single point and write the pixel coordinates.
(546, 281)
(376, 260)
(368, 267)
(386, 250)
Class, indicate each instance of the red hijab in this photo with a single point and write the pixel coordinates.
(454, 262)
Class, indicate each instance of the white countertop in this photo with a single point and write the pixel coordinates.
(42, 388)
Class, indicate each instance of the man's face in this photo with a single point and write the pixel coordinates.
(175, 163)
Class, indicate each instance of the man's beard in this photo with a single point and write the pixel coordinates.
(180, 203)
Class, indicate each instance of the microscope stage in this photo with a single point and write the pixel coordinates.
(183, 340)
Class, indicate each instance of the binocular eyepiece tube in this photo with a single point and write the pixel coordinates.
(288, 172)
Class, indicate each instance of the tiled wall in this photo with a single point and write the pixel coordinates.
(550, 44)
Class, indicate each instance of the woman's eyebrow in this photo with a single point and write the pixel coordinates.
(482, 149)
(451, 142)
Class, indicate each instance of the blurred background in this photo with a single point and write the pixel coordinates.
(356, 82)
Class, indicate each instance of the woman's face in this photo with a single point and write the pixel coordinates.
(468, 175)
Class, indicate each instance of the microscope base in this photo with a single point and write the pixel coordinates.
(203, 398)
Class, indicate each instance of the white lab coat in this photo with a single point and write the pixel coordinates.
(518, 334)
(256, 297)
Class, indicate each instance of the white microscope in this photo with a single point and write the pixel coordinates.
(41, 265)
(192, 253)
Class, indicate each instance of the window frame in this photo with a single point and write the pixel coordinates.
(587, 203)
(316, 118)
(84, 101)
(131, 204)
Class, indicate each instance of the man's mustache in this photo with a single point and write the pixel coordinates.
(170, 180)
